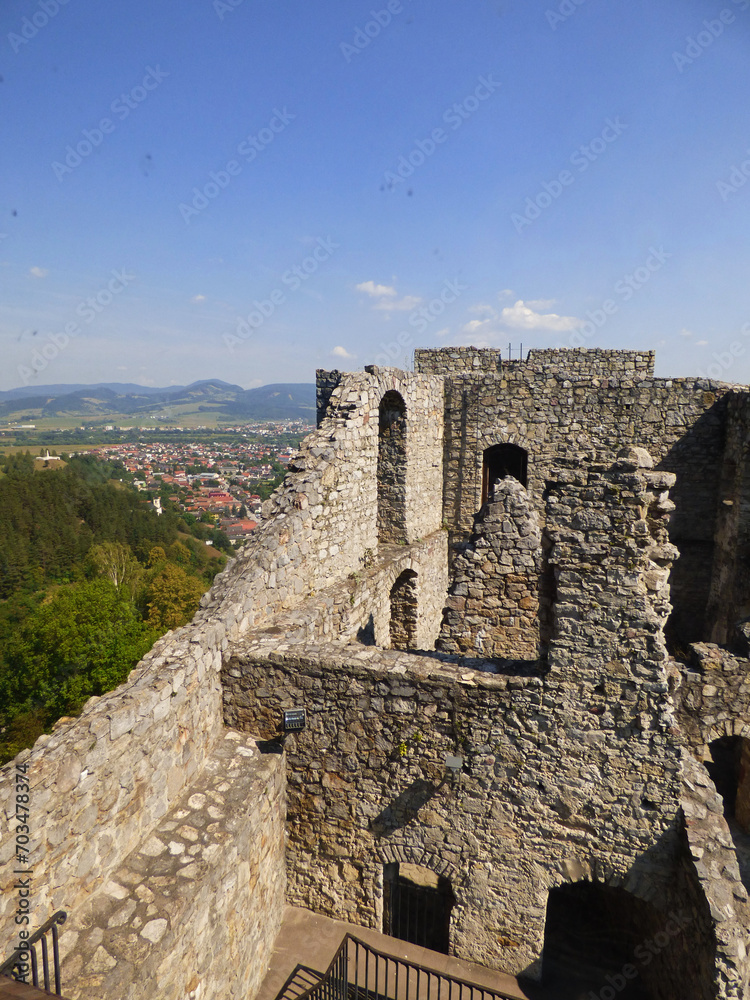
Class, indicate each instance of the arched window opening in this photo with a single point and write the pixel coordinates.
(503, 460)
(729, 768)
(595, 934)
(392, 469)
(404, 611)
(417, 906)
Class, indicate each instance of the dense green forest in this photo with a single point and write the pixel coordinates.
(90, 577)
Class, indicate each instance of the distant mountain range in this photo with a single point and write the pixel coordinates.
(282, 401)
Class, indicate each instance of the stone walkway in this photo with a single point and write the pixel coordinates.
(121, 944)
(11, 990)
(307, 943)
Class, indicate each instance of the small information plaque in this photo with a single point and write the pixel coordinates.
(295, 719)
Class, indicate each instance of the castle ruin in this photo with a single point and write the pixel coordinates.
(510, 597)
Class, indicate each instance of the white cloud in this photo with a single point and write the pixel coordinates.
(474, 324)
(341, 352)
(686, 333)
(522, 317)
(198, 298)
(701, 343)
(376, 291)
(387, 297)
(38, 272)
(506, 293)
(407, 303)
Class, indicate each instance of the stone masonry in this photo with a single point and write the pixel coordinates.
(493, 606)
(573, 773)
(576, 641)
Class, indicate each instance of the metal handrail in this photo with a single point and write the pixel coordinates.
(352, 975)
(30, 946)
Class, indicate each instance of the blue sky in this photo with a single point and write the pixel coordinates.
(250, 189)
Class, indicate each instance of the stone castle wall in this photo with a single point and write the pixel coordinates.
(358, 608)
(114, 770)
(717, 899)
(567, 775)
(457, 360)
(729, 600)
(573, 767)
(493, 608)
(106, 782)
(713, 696)
(321, 524)
(553, 415)
(194, 911)
(586, 362)
(101, 786)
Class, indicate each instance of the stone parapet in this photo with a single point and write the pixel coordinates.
(358, 607)
(193, 913)
(321, 523)
(571, 362)
(102, 782)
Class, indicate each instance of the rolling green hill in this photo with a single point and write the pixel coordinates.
(283, 401)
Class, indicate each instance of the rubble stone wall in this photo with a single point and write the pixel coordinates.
(325, 382)
(101, 783)
(193, 913)
(729, 600)
(357, 609)
(551, 414)
(589, 362)
(568, 775)
(321, 524)
(493, 607)
(713, 696)
(720, 913)
(104, 788)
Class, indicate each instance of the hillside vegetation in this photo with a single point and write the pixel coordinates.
(90, 577)
(209, 398)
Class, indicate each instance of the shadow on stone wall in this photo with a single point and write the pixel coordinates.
(404, 807)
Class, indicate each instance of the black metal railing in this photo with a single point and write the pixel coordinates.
(24, 959)
(361, 972)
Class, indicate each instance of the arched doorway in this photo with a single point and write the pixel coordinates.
(417, 906)
(503, 460)
(392, 469)
(603, 941)
(729, 768)
(403, 627)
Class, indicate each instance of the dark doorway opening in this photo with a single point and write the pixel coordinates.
(729, 768)
(417, 906)
(392, 469)
(593, 933)
(404, 611)
(724, 768)
(503, 460)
